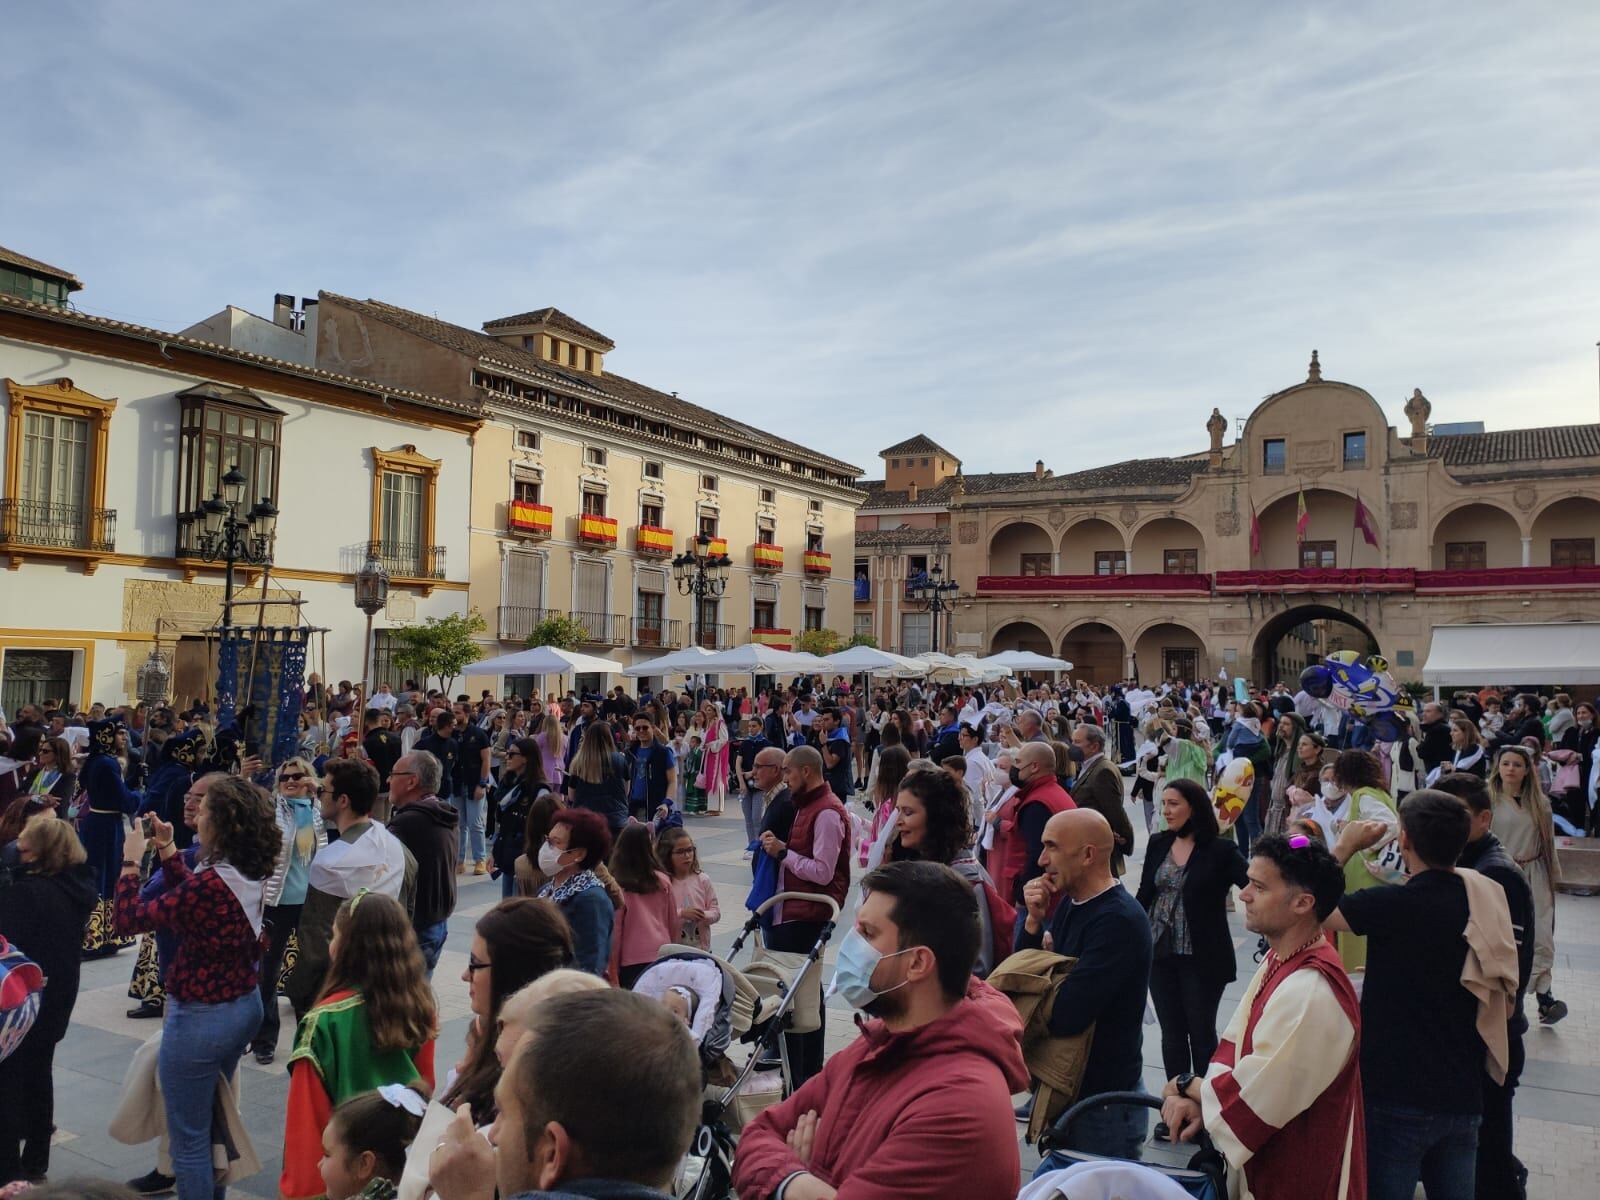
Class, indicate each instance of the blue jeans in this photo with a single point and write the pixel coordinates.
(1405, 1145)
(200, 1045)
(754, 804)
(431, 939)
(471, 830)
(1115, 1131)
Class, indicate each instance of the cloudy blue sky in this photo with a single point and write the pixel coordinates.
(1058, 230)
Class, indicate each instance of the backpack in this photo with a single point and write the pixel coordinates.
(21, 992)
(1030, 979)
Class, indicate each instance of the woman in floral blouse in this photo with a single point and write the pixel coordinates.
(215, 910)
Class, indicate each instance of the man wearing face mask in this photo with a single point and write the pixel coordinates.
(917, 1105)
(1015, 859)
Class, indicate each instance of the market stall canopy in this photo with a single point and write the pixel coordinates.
(1474, 655)
(679, 662)
(960, 668)
(1026, 660)
(544, 660)
(756, 659)
(871, 661)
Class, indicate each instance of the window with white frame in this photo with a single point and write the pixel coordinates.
(594, 456)
(527, 439)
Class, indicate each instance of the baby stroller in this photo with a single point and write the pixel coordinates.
(777, 992)
(1197, 1168)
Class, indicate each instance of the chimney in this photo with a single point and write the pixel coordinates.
(283, 311)
(911, 491)
(1038, 468)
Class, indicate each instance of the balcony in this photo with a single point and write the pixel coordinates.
(61, 528)
(719, 545)
(603, 629)
(657, 632)
(766, 557)
(1198, 584)
(652, 541)
(714, 637)
(818, 562)
(778, 639)
(598, 531)
(529, 520)
(403, 560)
(515, 622)
(863, 590)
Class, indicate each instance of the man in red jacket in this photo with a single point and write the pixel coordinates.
(920, 1104)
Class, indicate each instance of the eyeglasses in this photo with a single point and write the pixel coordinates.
(474, 966)
(392, 774)
(683, 852)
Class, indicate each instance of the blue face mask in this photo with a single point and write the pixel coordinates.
(852, 973)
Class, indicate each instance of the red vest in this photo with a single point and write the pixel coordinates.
(1008, 857)
(807, 808)
(1305, 1157)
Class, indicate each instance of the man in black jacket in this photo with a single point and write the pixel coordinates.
(1434, 745)
(1499, 1172)
(427, 827)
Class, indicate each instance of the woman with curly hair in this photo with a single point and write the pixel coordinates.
(216, 910)
(935, 825)
(373, 1024)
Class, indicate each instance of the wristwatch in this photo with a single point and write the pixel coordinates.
(1182, 1083)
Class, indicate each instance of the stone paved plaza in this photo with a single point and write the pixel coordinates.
(1558, 1105)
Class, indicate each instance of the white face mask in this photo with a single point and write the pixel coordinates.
(1330, 791)
(549, 859)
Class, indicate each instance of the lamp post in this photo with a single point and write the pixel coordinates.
(703, 575)
(931, 592)
(233, 538)
(372, 593)
(153, 677)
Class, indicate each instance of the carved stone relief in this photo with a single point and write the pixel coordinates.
(1313, 452)
(967, 533)
(1128, 515)
(1057, 517)
(1525, 497)
(1403, 514)
(1227, 523)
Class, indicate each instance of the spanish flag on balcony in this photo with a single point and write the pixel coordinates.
(529, 517)
(718, 546)
(768, 557)
(818, 562)
(1302, 519)
(592, 528)
(778, 639)
(652, 540)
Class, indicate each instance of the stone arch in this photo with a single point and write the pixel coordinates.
(1573, 519)
(1020, 634)
(1268, 663)
(1170, 648)
(1012, 540)
(1472, 522)
(1152, 538)
(1086, 537)
(1096, 650)
(1331, 509)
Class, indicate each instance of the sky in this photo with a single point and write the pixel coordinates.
(1029, 230)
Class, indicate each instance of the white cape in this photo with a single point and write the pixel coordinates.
(376, 861)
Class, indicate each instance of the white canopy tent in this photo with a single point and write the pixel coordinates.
(679, 662)
(544, 660)
(756, 659)
(960, 668)
(869, 660)
(1474, 655)
(1026, 660)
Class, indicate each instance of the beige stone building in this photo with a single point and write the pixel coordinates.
(586, 484)
(1181, 567)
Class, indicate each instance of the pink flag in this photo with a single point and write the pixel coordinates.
(1364, 523)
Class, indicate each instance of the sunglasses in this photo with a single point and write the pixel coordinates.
(297, 777)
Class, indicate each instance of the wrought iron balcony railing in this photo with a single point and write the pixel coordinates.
(57, 526)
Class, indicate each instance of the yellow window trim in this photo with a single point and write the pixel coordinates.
(63, 398)
(86, 691)
(406, 461)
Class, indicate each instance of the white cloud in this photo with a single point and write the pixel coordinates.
(1057, 230)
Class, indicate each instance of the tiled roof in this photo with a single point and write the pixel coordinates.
(482, 347)
(920, 444)
(1516, 445)
(904, 535)
(69, 316)
(12, 258)
(1135, 472)
(556, 319)
(940, 495)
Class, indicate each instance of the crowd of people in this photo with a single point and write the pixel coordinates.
(1401, 893)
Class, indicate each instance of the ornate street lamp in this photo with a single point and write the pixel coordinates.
(153, 679)
(930, 591)
(372, 593)
(229, 537)
(703, 575)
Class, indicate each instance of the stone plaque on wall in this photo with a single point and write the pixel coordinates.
(967, 533)
(1313, 452)
(1403, 514)
(1524, 497)
(1229, 625)
(1057, 517)
(1129, 514)
(402, 606)
(1227, 523)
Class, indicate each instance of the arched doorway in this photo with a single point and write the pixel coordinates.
(1020, 635)
(1292, 640)
(1170, 651)
(1168, 546)
(1021, 548)
(1330, 539)
(1093, 547)
(1096, 652)
(1564, 533)
(1475, 537)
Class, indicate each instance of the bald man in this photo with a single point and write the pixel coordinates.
(1100, 924)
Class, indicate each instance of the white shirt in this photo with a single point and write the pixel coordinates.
(386, 701)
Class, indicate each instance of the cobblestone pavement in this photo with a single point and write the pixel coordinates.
(1558, 1104)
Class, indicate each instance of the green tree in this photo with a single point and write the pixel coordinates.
(862, 639)
(440, 646)
(559, 631)
(817, 641)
